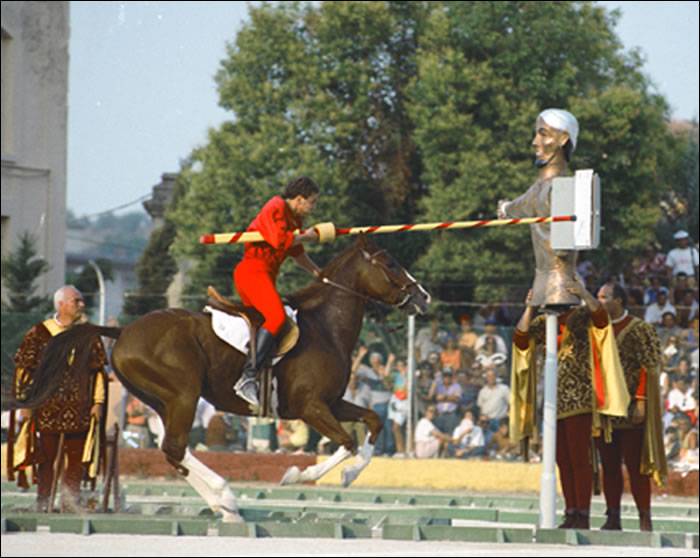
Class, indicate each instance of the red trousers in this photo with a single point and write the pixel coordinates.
(626, 445)
(574, 461)
(73, 470)
(256, 288)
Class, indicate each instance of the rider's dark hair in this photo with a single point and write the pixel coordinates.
(302, 186)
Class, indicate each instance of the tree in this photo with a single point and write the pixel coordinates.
(154, 271)
(680, 198)
(316, 91)
(484, 73)
(414, 111)
(87, 283)
(20, 270)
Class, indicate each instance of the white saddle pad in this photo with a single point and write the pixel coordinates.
(234, 330)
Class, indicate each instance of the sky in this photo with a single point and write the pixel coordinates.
(142, 92)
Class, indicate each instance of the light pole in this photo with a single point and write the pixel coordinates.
(101, 283)
(411, 363)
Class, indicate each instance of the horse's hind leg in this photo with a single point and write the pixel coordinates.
(319, 416)
(179, 414)
(345, 411)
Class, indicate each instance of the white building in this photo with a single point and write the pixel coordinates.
(34, 130)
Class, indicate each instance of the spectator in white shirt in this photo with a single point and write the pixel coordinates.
(468, 438)
(493, 400)
(464, 427)
(429, 440)
(680, 398)
(656, 310)
(491, 330)
(683, 258)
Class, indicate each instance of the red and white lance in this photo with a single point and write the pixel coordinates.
(328, 231)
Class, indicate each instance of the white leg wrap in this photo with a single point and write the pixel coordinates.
(315, 472)
(211, 487)
(361, 461)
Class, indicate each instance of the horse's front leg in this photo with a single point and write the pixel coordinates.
(319, 416)
(346, 411)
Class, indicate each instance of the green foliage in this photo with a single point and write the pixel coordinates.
(20, 270)
(485, 73)
(423, 111)
(87, 283)
(154, 271)
(680, 198)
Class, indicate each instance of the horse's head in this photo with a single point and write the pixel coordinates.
(382, 278)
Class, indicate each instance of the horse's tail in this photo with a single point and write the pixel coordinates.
(68, 349)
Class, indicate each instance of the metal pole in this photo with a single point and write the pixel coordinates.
(101, 283)
(411, 363)
(548, 481)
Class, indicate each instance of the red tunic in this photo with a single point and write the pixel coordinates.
(277, 224)
(255, 275)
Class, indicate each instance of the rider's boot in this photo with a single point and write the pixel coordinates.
(247, 386)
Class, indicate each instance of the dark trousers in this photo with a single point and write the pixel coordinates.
(72, 472)
(626, 445)
(574, 461)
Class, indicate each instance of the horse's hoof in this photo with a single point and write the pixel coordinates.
(348, 476)
(231, 517)
(291, 476)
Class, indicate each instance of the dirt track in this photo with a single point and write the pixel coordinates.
(47, 544)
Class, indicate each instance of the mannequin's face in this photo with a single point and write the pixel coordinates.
(548, 144)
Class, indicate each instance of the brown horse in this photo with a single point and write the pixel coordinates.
(169, 358)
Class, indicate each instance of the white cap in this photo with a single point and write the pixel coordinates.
(562, 120)
(680, 235)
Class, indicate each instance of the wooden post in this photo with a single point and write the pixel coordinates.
(57, 470)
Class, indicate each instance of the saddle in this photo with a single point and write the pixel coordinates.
(287, 338)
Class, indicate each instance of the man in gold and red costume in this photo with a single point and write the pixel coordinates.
(638, 437)
(70, 418)
(590, 390)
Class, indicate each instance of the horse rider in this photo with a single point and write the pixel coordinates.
(255, 275)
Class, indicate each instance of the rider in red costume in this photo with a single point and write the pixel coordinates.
(255, 276)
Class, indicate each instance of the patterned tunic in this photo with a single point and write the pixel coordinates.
(68, 409)
(574, 386)
(639, 347)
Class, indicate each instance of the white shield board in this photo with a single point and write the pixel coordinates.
(578, 195)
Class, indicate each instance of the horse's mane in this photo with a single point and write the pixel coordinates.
(309, 297)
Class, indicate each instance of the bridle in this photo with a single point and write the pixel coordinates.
(390, 276)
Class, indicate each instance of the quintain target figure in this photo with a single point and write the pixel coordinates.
(556, 133)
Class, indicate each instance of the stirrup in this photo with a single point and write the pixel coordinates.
(247, 389)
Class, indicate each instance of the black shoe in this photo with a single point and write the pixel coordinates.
(583, 520)
(247, 386)
(645, 520)
(613, 522)
(570, 517)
